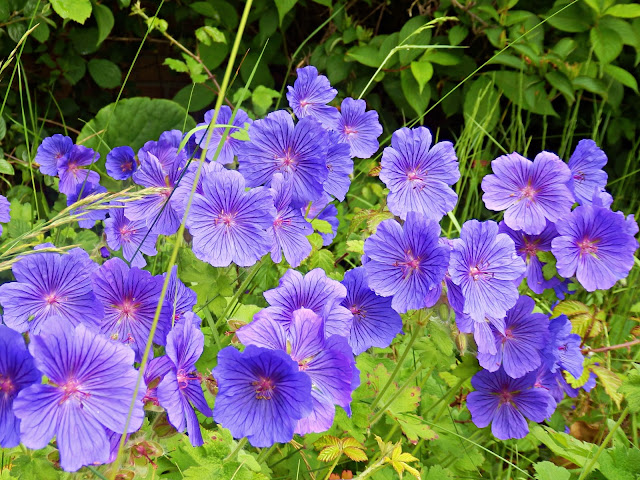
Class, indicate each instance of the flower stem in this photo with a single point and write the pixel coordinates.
(414, 337)
(335, 462)
(241, 443)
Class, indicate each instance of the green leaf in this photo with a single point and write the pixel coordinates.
(577, 18)
(135, 121)
(322, 259)
(631, 390)
(321, 226)
(73, 68)
(414, 428)
(606, 42)
(6, 167)
(176, 65)
(208, 34)
(34, 466)
(366, 55)
(549, 471)
(42, 32)
(283, 7)
(408, 33)
(622, 76)
(593, 85)
(201, 97)
(565, 445)
(419, 100)
(206, 9)
(441, 58)
(105, 73)
(620, 463)
(631, 10)
(457, 34)
(355, 246)
(482, 103)
(560, 82)
(104, 19)
(422, 72)
(610, 381)
(77, 10)
(262, 98)
(3, 128)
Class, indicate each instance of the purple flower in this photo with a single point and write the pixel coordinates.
(358, 128)
(92, 383)
(261, 394)
(321, 209)
(328, 361)
(157, 210)
(407, 262)
(527, 247)
(298, 151)
(340, 167)
(130, 297)
(180, 388)
(484, 264)
(182, 191)
(309, 97)
(179, 298)
(530, 192)
(563, 348)
(171, 137)
(129, 235)
(121, 163)
(231, 145)
(89, 217)
(314, 291)
(71, 175)
(418, 176)
(51, 151)
(50, 285)
(587, 176)
(5, 211)
(289, 230)
(17, 371)
(374, 323)
(596, 245)
(156, 369)
(518, 345)
(229, 224)
(506, 403)
(165, 150)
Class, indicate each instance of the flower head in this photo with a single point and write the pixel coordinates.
(165, 150)
(51, 151)
(17, 371)
(527, 247)
(70, 171)
(179, 391)
(158, 210)
(562, 350)
(484, 264)
(506, 403)
(309, 97)
(5, 211)
(374, 322)
(290, 229)
(129, 297)
(587, 176)
(91, 385)
(359, 128)
(530, 192)
(314, 291)
(49, 285)
(596, 245)
(90, 217)
(406, 262)
(132, 236)
(230, 224)
(262, 395)
(179, 298)
(418, 175)
(121, 163)
(339, 166)
(519, 344)
(231, 145)
(297, 151)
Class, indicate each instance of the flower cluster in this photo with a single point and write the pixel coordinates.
(89, 324)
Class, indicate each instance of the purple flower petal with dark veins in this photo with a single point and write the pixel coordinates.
(179, 298)
(340, 167)
(5, 211)
(530, 192)
(418, 175)
(129, 235)
(309, 97)
(359, 128)
(562, 350)
(231, 145)
(51, 151)
(90, 217)
(321, 209)
(587, 176)
(70, 172)
(121, 163)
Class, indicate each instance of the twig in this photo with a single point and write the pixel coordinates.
(612, 347)
(53, 122)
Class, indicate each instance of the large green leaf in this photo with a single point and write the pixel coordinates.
(549, 471)
(78, 10)
(105, 21)
(631, 10)
(135, 121)
(606, 43)
(574, 19)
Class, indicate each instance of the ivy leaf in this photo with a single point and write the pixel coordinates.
(631, 390)
(76, 10)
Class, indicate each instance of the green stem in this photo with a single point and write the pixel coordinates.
(414, 337)
(587, 469)
(241, 443)
(335, 462)
(371, 469)
(396, 395)
(243, 286)
(265, 453)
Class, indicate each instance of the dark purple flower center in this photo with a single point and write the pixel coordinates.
(288, 161)
(264, 388)
(588, 247)
(480, 272)
(358, 311)
(226, 219)
(508, 335)
(126, 166)
(579, 177)
(71, 389)
(530, 248)
(528, 192)
(505, 397)
(6, 385)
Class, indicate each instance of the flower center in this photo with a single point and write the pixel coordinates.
(288, 161)
(279, 222)
(528, 192)
(479, 272)
(303, 104)
(126, 233)
(264, 388)
(410, 265)
(184, 378)
(588, 247)
(505, 397)
(508, 335)
(126, 166)
(530, 248)
(6, 385)
(128, 309)
(350, 131)
(358, 311)
(579, 177)
(71, 389)
(51, 299)
(225, 219)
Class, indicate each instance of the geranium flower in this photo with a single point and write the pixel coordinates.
(587, 176)
(131, 236)
(121, 163)
(562, 350)
(339, 166)
(70, 172)
(359, 128)
(309, 97)
(231, 145)
(321, 209)
(51, 151)
(89, 219)
(179, 298)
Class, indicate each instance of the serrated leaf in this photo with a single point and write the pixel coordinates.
(321, 226)
(414, 428)
(565, 446)
(620, 463)
(355, 454)
(330, 453)
(326, 440)
(176, 65)
(355, 246)
(549, 471)
(76, 10)
(631, 390)
(610, 381)
(321, 259)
